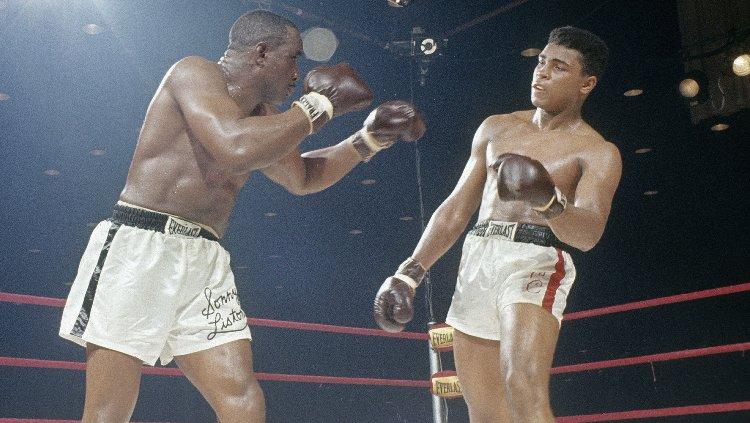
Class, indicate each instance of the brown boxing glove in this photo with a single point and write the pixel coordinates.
(332, 91)
(389, 122)
(394, 303)
(521, 178)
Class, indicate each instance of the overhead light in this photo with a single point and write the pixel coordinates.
(406, 218)
(531, 52)
(52, 172)
(398, 3)
(97, 152)
(633, 92)
(694, 87)
(35, 251)
(319, 44)
(650, 193)
(92, 29)
(428, 46)
(4, 97)
(368, 182)
(355, 232)
(741, 65)
(270, 214)
(643, 150)
(719, 127)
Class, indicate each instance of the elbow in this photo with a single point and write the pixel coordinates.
(303, 188)
(588, 243)
(451, 218)
(300, 191)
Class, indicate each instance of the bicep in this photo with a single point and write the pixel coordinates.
(600, 177)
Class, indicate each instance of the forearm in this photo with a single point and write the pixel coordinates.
(577, 227)
(445, 227)
(326, 166)
(258, 142)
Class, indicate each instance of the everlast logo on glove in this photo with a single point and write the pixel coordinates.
(176, 226)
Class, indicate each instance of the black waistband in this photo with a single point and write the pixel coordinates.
(519, 232)
(155, 221)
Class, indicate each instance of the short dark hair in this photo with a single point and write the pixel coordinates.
(593, 50)
(258, 26)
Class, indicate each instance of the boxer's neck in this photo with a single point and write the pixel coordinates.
(568, 120)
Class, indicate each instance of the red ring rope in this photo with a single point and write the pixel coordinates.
(172, 371)
(743, 287)
(658, 412)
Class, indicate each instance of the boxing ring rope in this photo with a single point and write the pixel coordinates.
(624, 415)
(573, 368)
(690, 296)
(636, 305)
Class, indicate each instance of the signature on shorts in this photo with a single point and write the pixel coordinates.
(233, 320)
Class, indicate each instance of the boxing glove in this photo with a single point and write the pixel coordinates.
(522, 178)
(331, 91)
(389, 122)
(394, 302)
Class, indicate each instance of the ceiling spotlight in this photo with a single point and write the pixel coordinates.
(92, 29)
(4, 97)
(689, 88)
(97, 152)
(398, 3)
(694, 87)
(428, 46)
(52, 172)
(741, 65)
(270, 214)
(650, 193)
(368, 182)
(719, 127)
(355, 232)
(531, 52)
(643, 150)
(406, 218)
(633, 93)
(319, 44)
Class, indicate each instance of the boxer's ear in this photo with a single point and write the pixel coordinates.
(260, 53)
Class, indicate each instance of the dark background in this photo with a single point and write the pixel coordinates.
(71, 92)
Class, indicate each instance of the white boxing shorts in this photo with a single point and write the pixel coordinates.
(501, 264)
(153, 286)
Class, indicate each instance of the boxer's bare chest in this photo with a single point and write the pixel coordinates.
(560, 151)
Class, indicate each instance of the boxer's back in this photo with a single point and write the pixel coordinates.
(171, 172)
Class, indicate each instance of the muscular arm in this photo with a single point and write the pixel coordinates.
(314, 170)
(217, 122)
(450, 219)
(582, 224)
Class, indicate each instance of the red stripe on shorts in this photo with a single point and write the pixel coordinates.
(554, 282)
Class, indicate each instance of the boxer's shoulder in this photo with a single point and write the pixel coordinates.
(193, 70)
